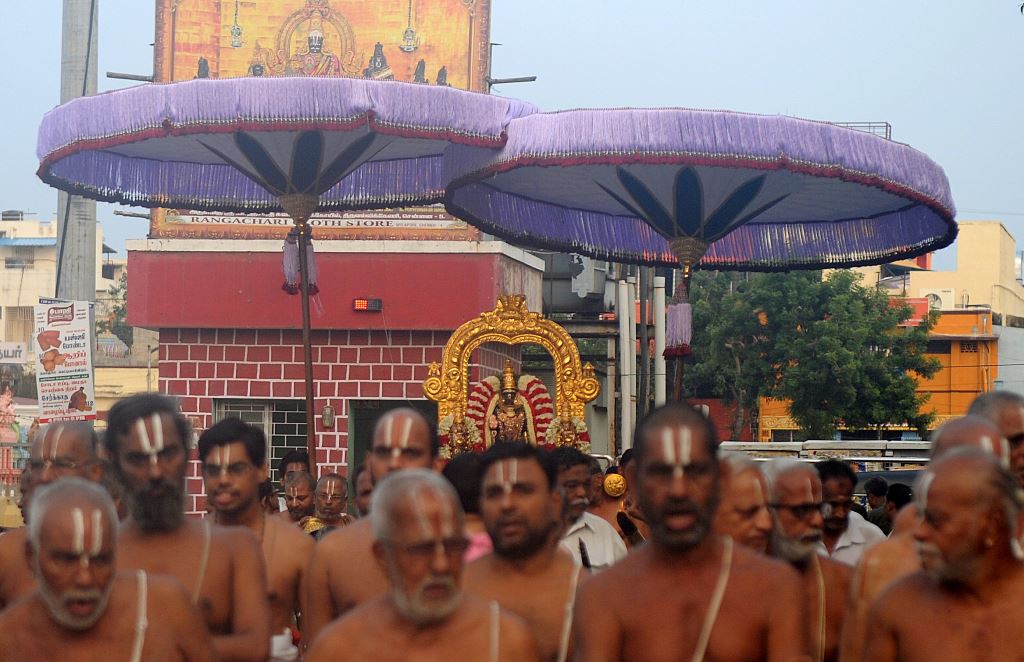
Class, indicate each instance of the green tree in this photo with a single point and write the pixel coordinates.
(834, 349)
(116, 321)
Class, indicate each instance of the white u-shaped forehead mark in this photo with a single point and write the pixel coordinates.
(78, 531)
(158, 431)
(671, 448)
(389, 426)
(97, 532)
(447, 515)
(809, 493)
(926, 483)
(684, 446)
(330, 488)
(140, 427)
(421, 514)
(293, 492)
(403, 441)
(986, 444)
(55, 448)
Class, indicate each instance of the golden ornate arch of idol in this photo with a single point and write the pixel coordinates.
(465, 415)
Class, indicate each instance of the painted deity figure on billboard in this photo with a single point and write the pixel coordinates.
(313, 60)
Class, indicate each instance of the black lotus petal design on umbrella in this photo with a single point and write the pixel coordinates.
(688, 219)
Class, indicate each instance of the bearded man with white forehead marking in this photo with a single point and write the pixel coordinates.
(344, 572)
(424, 615)
(58, 450)
(689, 593)
(968, 602)
(83, 607)
(795, 499)
(221, 567)
(896, 557)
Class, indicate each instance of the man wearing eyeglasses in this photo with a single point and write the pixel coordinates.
(344, 572)
(220, 567)
(1005, 409)
(795, 500)
(423, 614)
(58, 450)
(330, 500)
(234, 457)
(846, 534)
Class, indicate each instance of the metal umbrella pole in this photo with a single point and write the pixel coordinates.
(301, 207)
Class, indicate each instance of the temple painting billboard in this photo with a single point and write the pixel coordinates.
(430, 42)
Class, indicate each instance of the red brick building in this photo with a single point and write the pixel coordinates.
(230, 339)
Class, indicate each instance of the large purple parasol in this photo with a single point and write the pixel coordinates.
(758, 192)
(705, 189)
(250, 145)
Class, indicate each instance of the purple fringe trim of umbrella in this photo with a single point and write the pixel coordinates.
(919, 218)
(753, 247)
(678, 329)
(78, 141)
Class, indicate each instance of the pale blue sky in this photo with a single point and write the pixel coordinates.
(945, 73)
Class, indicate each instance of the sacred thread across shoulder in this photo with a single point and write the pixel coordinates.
(716, 601)
(141, 619)
(204, 559)
(570, 603)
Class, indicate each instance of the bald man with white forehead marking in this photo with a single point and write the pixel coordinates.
(896, 557)
(57, 451)
(1005, 409)
(423, 615)
(344, 572)
(968, 602)
(83, 609)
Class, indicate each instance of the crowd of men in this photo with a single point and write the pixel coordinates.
(515, 554)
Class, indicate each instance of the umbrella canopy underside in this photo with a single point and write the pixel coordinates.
(237, 144)
(766, 193)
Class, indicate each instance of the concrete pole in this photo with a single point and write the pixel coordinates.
(625, 373)
(76, 217)
(659, 341)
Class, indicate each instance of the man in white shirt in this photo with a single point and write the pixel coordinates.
(593, 542)
(846, 534)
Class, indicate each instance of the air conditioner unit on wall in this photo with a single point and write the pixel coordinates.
(939, 299)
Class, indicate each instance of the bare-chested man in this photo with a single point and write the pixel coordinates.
(344, 572)
(896, 557)
(743, 513)
(688, 594)
(220, 567)
(83, 609)
(529, 574)
(796, 503)
(968, 603)
(1005, 409)
(58, 450)
(234, 457)
(420, 540)
(299, 487)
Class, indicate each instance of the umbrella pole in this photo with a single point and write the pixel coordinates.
(307, 345)
(300, 207)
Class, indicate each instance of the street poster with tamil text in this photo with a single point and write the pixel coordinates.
(64, 372)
